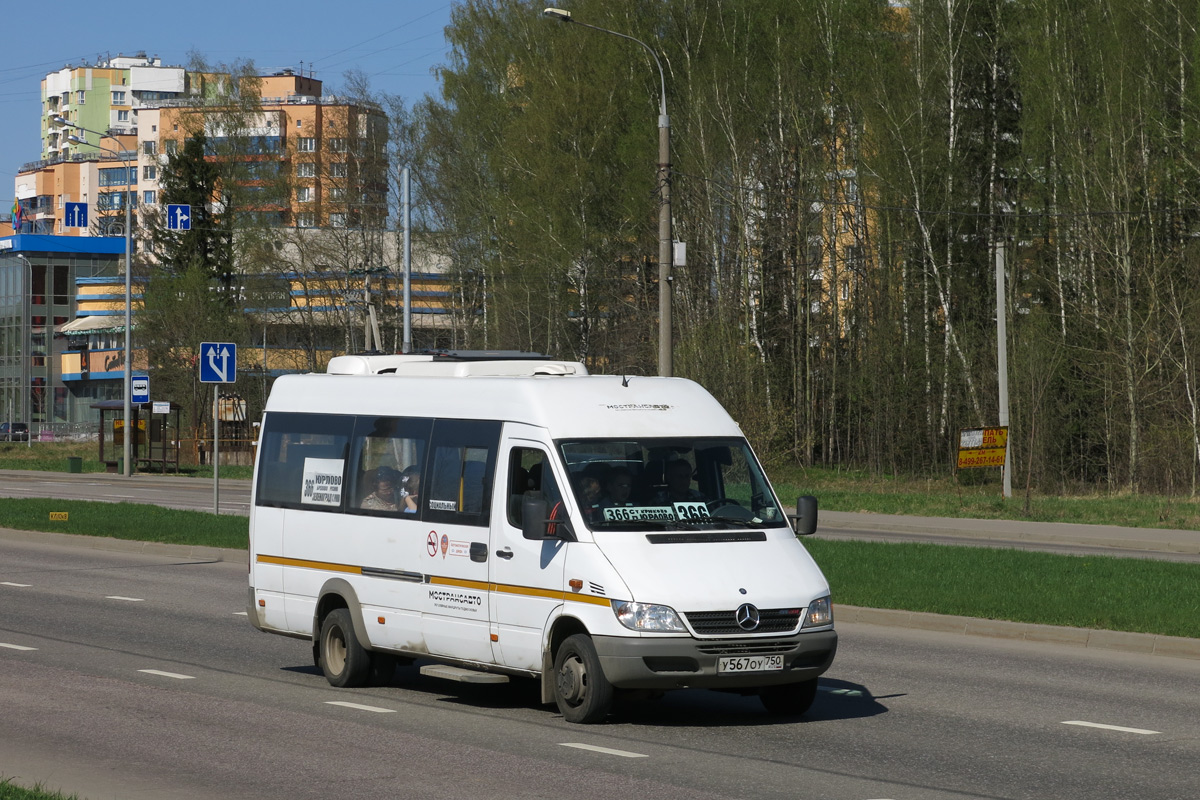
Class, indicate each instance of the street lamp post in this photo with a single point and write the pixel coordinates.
(665, 366)
(127, 391)
(26, 358)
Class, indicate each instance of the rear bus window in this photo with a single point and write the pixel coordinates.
(303, 461)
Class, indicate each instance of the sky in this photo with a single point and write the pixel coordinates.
(395, 43)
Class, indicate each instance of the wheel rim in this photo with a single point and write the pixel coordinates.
(572, 680)
(335, 650)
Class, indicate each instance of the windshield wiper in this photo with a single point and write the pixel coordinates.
(739, 523)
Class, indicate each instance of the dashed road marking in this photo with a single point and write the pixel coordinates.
(129, 599)
(175, 675)
(241, 613)
(1118, 728)
(16, 646)
(360, 707)
(18, 585)
(606, 750)
(842, 692)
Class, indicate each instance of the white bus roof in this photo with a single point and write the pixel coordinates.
(549, 394)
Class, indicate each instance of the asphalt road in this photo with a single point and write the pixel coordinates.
(135, 676)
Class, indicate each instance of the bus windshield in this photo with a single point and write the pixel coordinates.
(652, 484)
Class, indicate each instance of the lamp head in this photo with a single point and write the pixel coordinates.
(557, 13)
(59, 119)
(76, 139)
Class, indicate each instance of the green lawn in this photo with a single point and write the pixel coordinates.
(1102, 592)
(1109, 593)
(132, 521)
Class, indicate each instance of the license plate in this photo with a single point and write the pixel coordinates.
(750, 664)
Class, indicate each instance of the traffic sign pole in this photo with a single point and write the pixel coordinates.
(218, 364)
(216, 453)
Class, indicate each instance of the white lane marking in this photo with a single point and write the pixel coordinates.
(358, 707)
(130, 599)
(241, 613)
(16, 646)
(18, 585)
(842, 692)
(168, 674)
(605, 750)
(1110, 727)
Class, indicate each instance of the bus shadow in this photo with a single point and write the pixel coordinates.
(836, 700)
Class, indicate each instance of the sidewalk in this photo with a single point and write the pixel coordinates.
(842, 524)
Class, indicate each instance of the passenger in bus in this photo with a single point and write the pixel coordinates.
(384, 496)
(589, 497)
(411, 500)
(678, 489)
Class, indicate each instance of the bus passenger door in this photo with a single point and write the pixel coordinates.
(455, 501)
(526, 576)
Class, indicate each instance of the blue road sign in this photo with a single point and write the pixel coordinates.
(139, 389)
(76, 215)
(218, 362)
(179, 218)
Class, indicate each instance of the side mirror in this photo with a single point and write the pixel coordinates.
(805, 519)
(534, 522)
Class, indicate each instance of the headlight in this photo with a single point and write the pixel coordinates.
(820, 612)
(647, 617)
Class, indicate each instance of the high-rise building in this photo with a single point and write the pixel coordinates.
(327, 152)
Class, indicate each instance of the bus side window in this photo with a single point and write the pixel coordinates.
(303, 461)
(529, 471)
(460, 472)
(391, 446)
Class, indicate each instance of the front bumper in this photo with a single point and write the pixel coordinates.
(649, 662)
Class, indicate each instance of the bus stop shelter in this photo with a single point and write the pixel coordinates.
(156, 440)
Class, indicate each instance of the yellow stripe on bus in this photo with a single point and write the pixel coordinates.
(306, 564)
(438, 580)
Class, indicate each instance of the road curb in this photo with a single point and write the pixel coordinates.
(1124, 641)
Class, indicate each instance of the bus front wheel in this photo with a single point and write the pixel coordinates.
(581, 691)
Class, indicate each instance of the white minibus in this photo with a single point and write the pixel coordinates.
(500, 515)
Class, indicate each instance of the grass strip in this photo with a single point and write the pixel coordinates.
(131, 521)
(1102, 592)
(10, 791)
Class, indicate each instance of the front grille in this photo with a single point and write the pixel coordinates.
(744, 648)
(724, 623)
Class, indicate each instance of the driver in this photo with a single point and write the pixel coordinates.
(678, 489)
(617, 489)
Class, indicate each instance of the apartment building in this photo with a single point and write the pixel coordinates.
(329, 152)
(328, 156)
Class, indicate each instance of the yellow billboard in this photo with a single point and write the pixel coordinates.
(982, 447)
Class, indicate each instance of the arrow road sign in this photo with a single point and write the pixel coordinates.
(179, 217)
(218, 362)
(76, 215)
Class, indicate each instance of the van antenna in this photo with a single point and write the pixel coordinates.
(625, 380)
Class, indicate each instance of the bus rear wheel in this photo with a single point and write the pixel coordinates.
(345, 662)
